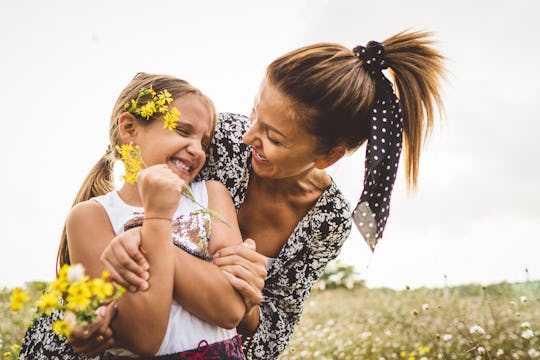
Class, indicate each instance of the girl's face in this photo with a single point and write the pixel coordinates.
(182, 149)
(281, 148)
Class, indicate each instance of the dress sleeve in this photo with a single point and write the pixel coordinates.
(227, 157)
(287, 288)
(41, 343)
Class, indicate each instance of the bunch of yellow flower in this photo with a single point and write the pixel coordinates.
(133, 162)
(158, 104)
(73, 293)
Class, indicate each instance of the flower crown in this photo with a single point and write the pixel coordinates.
(158, 104)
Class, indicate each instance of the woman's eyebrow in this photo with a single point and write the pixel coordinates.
(270, 127)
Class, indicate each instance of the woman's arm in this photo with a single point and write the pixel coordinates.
(293, 275)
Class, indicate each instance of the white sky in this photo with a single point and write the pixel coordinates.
(475, 217)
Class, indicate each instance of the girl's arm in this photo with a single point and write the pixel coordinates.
(140, 315)
(216, 301)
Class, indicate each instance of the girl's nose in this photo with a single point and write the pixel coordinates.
(195, 147)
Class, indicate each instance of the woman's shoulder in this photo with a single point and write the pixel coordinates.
(331, 215)
(333, 203)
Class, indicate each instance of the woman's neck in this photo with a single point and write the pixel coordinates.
(314, 180)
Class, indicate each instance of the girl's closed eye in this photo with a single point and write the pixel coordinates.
(182, 130)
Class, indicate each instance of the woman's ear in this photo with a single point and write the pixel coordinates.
(127, 127)
(336, 153)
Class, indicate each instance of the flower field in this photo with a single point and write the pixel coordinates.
(500, 321)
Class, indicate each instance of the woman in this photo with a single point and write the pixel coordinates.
(315, 105)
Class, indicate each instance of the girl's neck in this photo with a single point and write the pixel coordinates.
(130, 195)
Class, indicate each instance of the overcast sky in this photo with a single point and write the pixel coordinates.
(475, 216)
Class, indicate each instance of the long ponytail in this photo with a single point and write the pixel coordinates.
(418, 70)
(99, 181)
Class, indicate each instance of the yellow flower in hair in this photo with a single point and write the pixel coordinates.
(165, 97)
(157, 104)
(171, 119)
(148, 110)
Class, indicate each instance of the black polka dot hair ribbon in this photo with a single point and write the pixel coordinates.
(383, 148)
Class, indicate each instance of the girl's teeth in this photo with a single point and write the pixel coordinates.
(180, 165)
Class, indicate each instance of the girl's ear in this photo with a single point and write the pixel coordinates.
(127, 127)
(336, 153)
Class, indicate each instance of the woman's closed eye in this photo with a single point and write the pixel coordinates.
(273, 140)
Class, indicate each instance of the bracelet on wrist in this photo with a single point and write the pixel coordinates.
(156, 218)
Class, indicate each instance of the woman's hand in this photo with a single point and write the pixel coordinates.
(97, 337)
(124, 259)
(245, 269)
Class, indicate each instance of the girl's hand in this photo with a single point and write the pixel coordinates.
(125, 261)
(245, 269)
(97, 337)
(160, 190)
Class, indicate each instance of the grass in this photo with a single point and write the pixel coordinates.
(412, 324)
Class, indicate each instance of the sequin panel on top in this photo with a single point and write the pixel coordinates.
(190, 232)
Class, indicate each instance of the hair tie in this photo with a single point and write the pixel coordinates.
(383, 149)
(372, 56)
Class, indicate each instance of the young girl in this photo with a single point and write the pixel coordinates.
(151, 323)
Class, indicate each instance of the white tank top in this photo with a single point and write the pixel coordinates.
(191, 233)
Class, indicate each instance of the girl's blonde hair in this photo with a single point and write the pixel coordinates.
(100, 179)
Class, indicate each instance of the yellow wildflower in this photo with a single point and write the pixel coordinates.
(132, 159)
(61, 327)
(18, 298)
(148, 110)
(101, 288)
(171, 119)
(79, 296)
(48, 302)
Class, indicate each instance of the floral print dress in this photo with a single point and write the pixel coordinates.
(315, 241)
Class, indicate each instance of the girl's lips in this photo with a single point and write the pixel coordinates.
(181, 165)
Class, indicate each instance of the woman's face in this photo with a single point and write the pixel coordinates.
(281, 147)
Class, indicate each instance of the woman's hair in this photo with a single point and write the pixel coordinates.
(333, 93)
(100, 179)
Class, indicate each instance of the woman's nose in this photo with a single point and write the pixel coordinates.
(251, 133)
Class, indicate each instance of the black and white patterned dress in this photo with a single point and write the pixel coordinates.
(315, 241)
